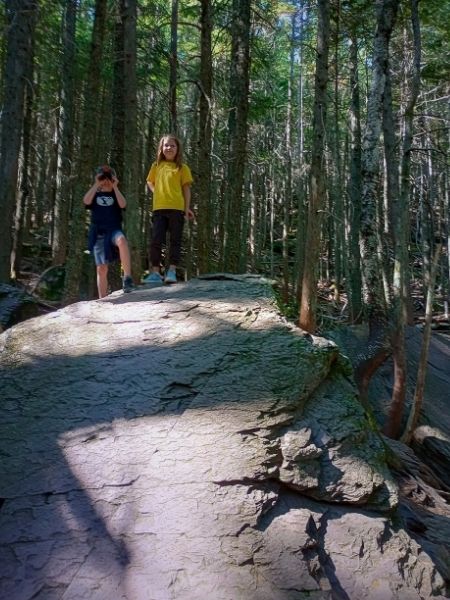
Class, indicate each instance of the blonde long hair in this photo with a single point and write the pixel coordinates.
(160, 152)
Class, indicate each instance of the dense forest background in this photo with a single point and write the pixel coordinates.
(317, 133)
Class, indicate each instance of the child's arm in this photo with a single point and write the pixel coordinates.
(89, 195)
(151, 178)
(120, 197)
(189, 214)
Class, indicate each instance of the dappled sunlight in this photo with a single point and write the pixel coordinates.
(76, 330)
(151, 464)
(151, 437)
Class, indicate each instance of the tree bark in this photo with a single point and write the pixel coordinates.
(317, 197)
(24, 167)
(173, 62)
(131, 154)
(423, 361)
(203, 183)
(375, 306)
(401, 239)
(21, 17)
(88, 143)
(237, 128)
(64, 183)
(374, 297)
(355, 187)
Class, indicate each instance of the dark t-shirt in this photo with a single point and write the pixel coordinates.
(106, 213)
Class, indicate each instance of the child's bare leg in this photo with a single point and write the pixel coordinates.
(102, 280)
(124, 253)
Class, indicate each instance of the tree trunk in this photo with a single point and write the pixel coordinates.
(423, 361)
(374, 297)
(131, 154)
(338, 204)
(173, 61)
(237, 129)
(203, 183)
(118, 100)
(300, 187)
(24, 186)
(378, 346)
(355, 187)
(21, 17)
(317, 197)
(89, 137)
(401, 239)
(64, 183)
(287, 196)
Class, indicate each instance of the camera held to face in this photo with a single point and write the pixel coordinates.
(105, 172)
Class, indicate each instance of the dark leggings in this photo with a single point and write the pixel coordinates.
(166, 220)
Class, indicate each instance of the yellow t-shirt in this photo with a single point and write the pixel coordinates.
(168, 180)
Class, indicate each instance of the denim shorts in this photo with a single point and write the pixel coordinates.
(99, 248)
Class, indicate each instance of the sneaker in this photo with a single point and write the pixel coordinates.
(171, 276)
(153, 278)
(127, 285)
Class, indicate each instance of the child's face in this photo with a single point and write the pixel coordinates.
(105, 185)
(170, 149)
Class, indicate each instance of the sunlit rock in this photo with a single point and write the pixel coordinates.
(186, 442)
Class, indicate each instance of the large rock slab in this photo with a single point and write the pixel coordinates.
(186, 442)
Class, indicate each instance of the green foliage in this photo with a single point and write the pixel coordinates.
(435, 19)
(281, 87)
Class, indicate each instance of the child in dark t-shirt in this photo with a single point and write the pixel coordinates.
(106, 202)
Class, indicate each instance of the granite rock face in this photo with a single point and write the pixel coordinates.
(185, 442)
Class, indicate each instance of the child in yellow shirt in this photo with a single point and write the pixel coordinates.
(169, 179)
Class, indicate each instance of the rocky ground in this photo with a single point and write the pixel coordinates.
(186, 442)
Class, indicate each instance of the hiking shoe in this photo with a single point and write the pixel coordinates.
(171, 276)
(127, 285)
(153, 278)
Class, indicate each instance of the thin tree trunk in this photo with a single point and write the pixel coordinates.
(203, 183)
(374, 300)
(89, 132)
(301, 212)
(21, 18)
(355, 187)
(338, 209)
(317, 197)
(64, 183)
(423, 361)
(25, 187)
(377, 346)
(173, 61)
(237, 128)
(118, 100)
(401, 237)
(131, 154)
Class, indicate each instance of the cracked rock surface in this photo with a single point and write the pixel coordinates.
(186, 443)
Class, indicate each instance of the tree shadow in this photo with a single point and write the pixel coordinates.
(85, 425)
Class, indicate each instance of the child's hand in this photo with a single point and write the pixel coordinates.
(189, 215)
